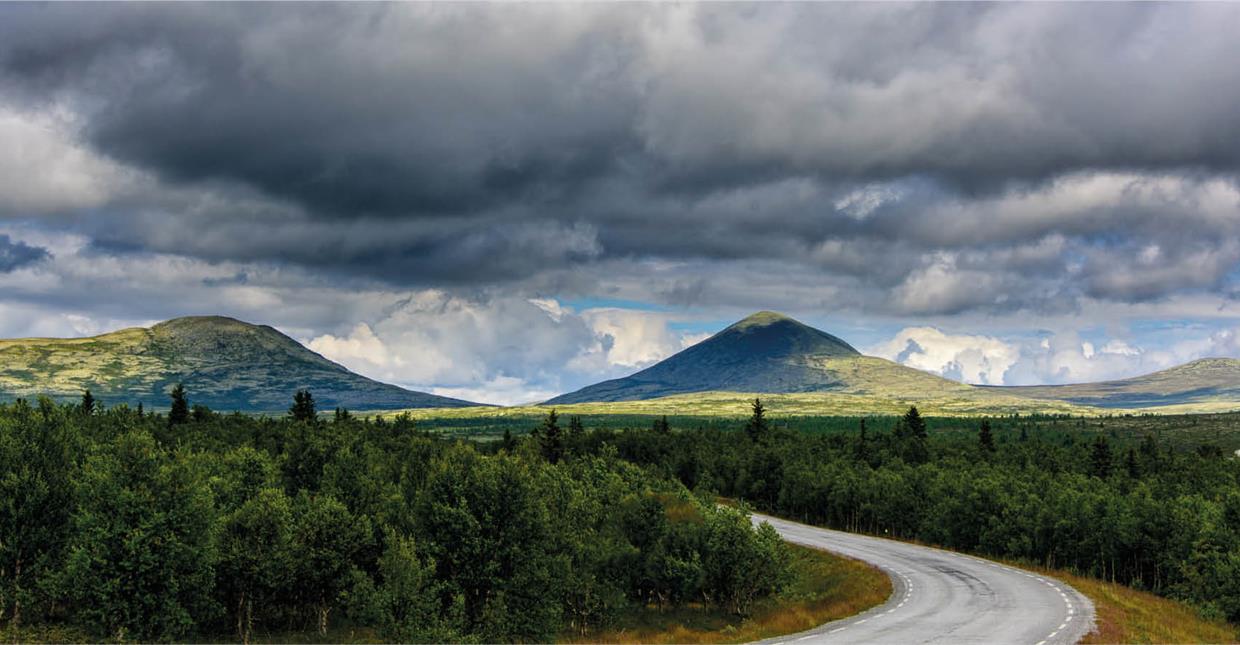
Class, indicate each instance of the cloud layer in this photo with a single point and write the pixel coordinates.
(501, 350)
(326, 167)
(1052, 358)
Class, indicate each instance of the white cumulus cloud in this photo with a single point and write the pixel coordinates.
(502, 349)
(963, 357)
(1057, 358)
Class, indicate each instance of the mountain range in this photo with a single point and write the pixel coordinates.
(774, 354)
(224, 363)
(232, 365)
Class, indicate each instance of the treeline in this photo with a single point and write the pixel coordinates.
(1134, 512)
(146, 527)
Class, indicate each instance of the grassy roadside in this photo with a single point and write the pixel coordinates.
(1126, 615)
(827, 587)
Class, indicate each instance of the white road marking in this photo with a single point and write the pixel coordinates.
(901, 578)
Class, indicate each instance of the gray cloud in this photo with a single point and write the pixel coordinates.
(17, 254)
(894, 159)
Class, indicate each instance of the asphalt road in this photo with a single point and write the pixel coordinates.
(944, 597)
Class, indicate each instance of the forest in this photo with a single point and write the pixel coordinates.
(1124, 508)
(196, 525)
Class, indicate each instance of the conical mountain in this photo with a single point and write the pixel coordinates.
(224, 363)
(766, 352)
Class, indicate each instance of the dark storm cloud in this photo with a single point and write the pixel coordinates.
(17, 254)
(347, 110)
(907, 158)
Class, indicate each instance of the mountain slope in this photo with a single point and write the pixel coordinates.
(224, 363)
(766, 352)
(1207, 380)
(771, 354)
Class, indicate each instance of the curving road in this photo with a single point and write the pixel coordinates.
(944, 597)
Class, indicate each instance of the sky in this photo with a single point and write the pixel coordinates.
(506, 202)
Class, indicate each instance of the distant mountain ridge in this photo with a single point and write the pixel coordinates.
(224, 363)
(769, 353)
(1205, 380)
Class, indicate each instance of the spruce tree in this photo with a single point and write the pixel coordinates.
(88, 403)
(661, 426)
(551, 442)
(757, 427)
(141, 412)
(180, 406)
(862, 449)
(914, 425)
(985, 438)
(303, 407)
(1100, 458)
(911, 437)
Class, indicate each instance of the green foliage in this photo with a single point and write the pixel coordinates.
(550, 438)
(737, 567)
(914, 425)
(88, 403)
(911, 433)
(179, 412)
(405, 603)
(985, 437)
(142, 549)
(256, 557)
(757, 427)
(327, 541)
(1100, 458)
(303, 407)
(1050, 498)
(37, 458)
(200, 413)
(490, 537)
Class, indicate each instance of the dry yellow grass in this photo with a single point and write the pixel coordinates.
(1126, 615)
(827, 587)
